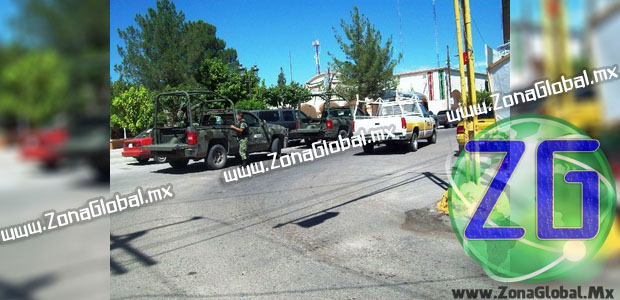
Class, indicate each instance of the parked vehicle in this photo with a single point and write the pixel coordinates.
(442, 119)
(335, 120)
(484, 121)
(41, 146)
(200, 129)
(133, 148)
(287, 118)
(89, 141)
(406, 119)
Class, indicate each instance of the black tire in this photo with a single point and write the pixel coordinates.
(368, 148)
(50, 166)
(309, 142)
(142, 160)
(216, 159)
(179, 163)
(433, 138)
(343, 134)
(413, 143)
(276, 147)
(160, 159)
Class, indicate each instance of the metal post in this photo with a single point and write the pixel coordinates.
(449, 78)
(459, 42)
(472, 83)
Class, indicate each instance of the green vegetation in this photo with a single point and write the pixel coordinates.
(368, 68)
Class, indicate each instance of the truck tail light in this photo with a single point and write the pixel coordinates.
(192, 138)
(353, 126)
(460, 129)
(330, 124)
(403, 122)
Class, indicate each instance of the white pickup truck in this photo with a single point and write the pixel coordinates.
(390, 122)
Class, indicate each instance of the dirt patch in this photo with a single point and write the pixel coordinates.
(426, 221)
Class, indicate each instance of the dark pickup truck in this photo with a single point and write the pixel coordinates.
(200, 129)
(335, 120)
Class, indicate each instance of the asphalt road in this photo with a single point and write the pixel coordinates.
(346, 226)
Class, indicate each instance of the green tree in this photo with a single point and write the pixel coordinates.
(34, 96)
(164, 50)
(133, 109)
(80, 32)
(368, 67)
(250, 105)
(281, 78)
(287, 95)
(483, 96)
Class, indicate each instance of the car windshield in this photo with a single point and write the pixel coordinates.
(269, 115)
(212, 119)
(442, 112)
(339, 112)
(144, 134)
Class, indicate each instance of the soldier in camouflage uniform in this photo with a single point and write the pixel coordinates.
(242, 137)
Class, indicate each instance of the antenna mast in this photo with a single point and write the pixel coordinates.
(316, 45)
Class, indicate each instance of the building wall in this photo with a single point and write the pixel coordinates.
(418, 82)
(409, 82)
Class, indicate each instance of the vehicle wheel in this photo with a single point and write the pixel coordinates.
(160, 159)
(309, 142)
(433, 138)
(276, 147)
(51, 165)
(343, 134)
(179, 164)
(413, 144)
(368, 148)
(216, 159)
(142, 160)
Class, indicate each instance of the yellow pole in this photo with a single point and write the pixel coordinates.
(470, 64)
(459, 41)
(469, 44)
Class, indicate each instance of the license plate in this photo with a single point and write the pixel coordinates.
(130, 146)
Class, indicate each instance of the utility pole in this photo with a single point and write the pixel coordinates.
(449, 78)
(290, 65)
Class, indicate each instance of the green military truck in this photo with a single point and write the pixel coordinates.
(335, 120)
(200, 129)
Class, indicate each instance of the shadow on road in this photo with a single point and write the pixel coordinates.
(397, 149)
(26, 290)
(124, 242)
(200, 166)
(324, 211)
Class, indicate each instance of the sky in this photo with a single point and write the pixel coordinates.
(7, 11)
(263, 32)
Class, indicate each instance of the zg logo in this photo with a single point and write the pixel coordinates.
(532, 199)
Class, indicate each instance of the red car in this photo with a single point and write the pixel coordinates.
(42, 144)
(133, 148)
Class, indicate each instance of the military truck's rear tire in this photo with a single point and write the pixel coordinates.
(276, 147)
(179, 164)
(216, 159)
(309, 142)
(343, 134)
(413, 143)
(368, 148)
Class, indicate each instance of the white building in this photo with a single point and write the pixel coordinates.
(432, 83)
